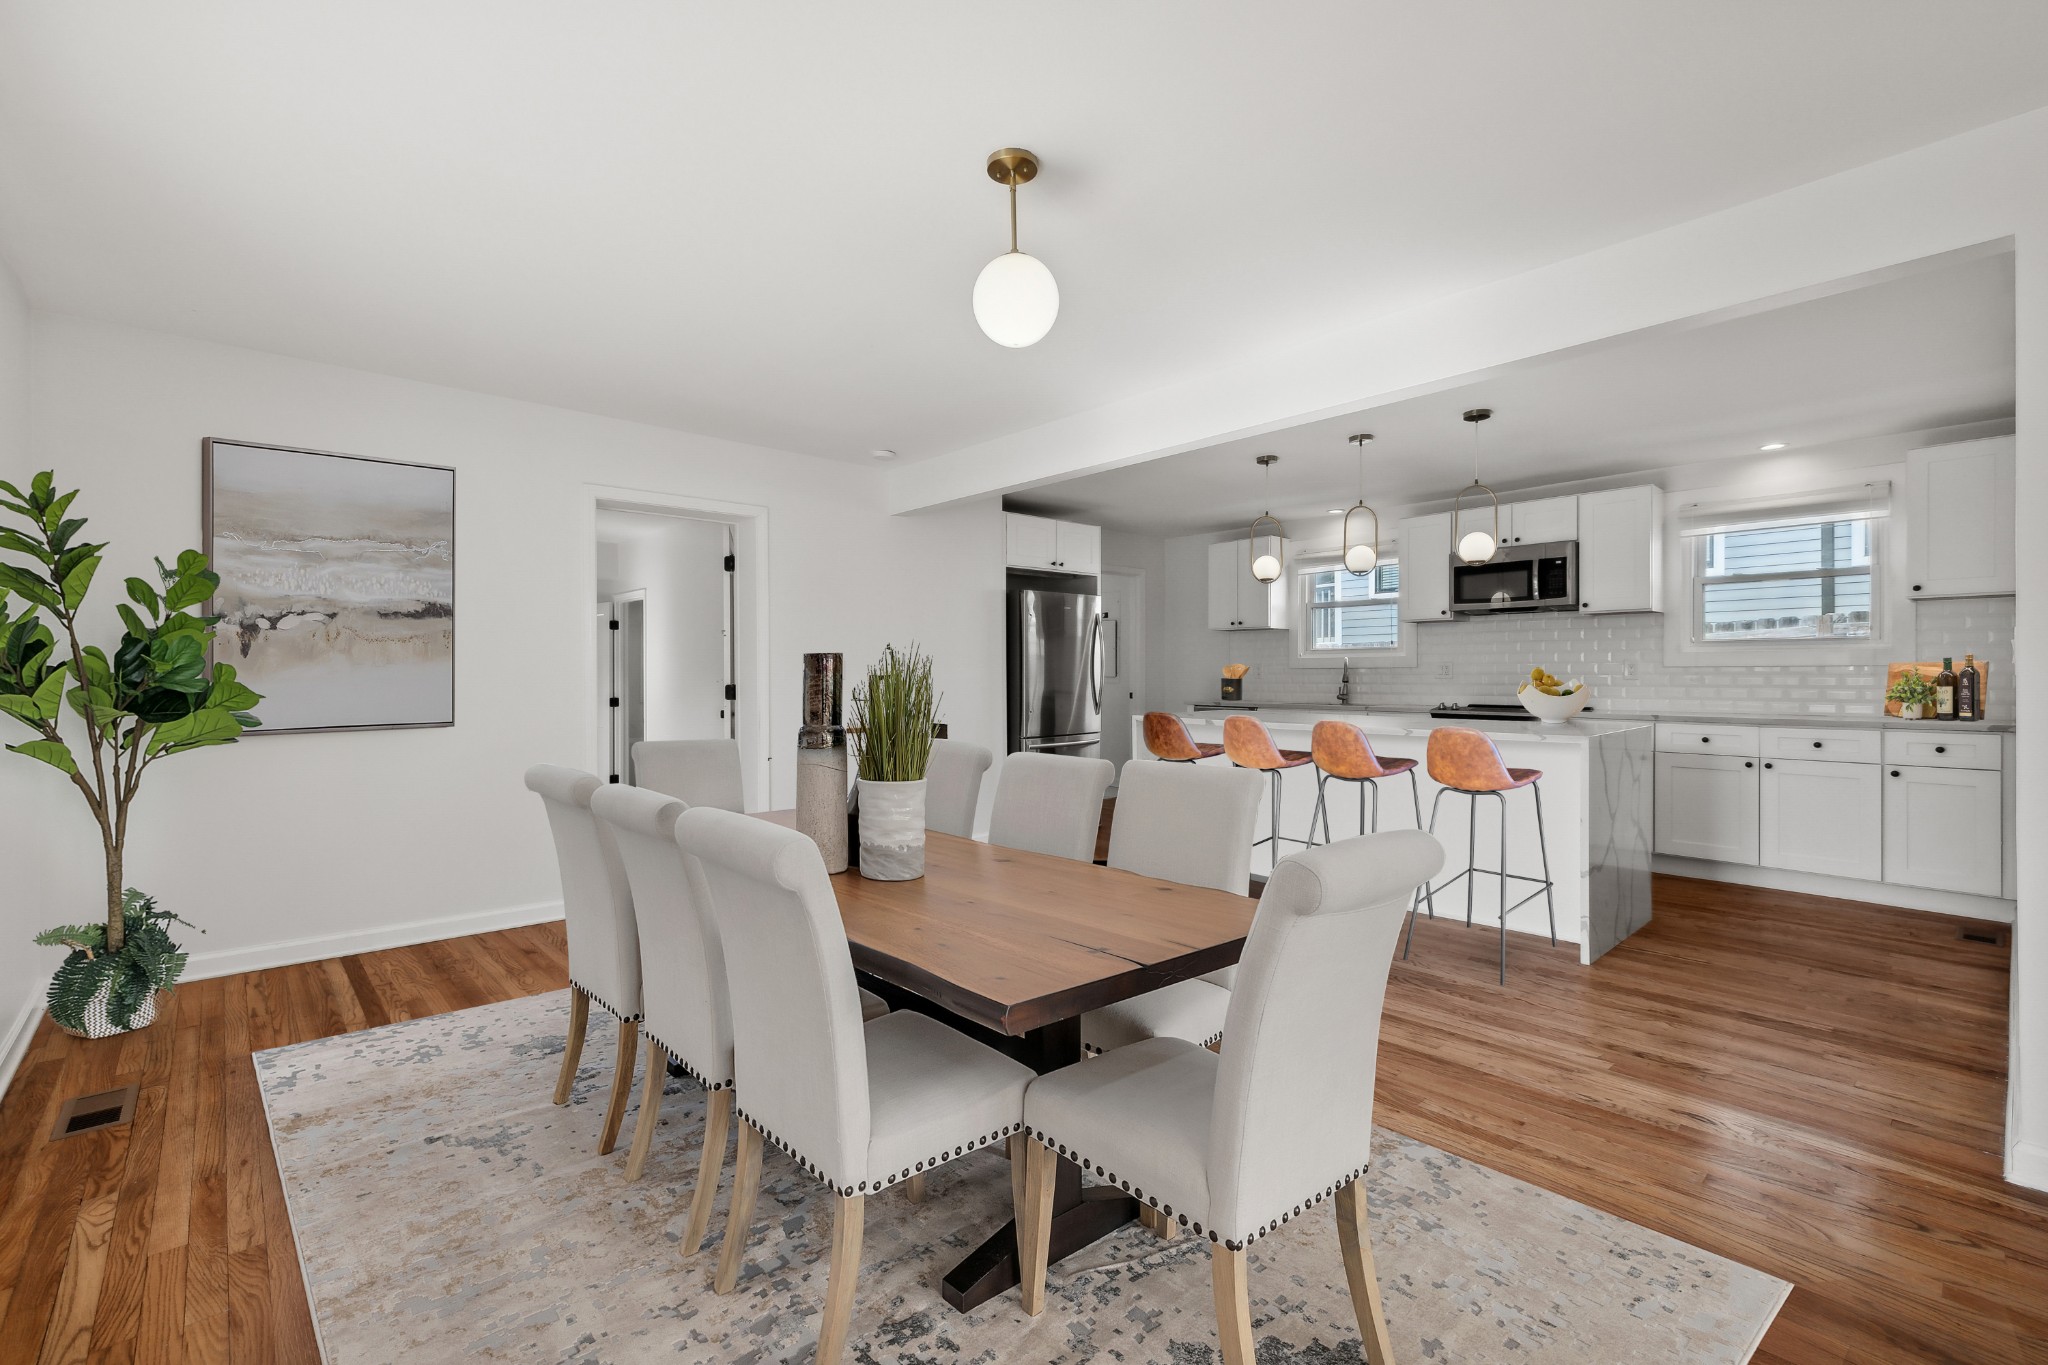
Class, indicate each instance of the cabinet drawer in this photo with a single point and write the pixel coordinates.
(1738, 740)
(1825, 746)
(1943, 748)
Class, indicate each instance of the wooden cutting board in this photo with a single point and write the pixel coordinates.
(1929, 671)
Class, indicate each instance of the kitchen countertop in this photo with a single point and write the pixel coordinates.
(1625, 719)
(1392, 721)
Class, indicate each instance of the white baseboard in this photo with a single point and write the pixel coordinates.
(2026, 1163)
(1842, 888)
(290, 951)
(14, 1043)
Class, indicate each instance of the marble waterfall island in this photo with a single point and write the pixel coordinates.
(1599, 777)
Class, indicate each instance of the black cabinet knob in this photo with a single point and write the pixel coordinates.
(1816, 744)
(1749, 765)
(1895, 772)
(1584, 606)
(1704, 739)
(1916, 587)
(1767, 765)
(1941, 748)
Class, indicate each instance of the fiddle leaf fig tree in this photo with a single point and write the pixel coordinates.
(151, 699)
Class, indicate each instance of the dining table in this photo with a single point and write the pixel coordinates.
(1012, 948)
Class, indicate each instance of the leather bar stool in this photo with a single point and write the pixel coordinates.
(1166, 735)
(1466, 762)
(1248, 744)
(1342, 751)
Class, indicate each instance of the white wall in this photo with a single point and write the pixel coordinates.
(24, 909)
(289, 847)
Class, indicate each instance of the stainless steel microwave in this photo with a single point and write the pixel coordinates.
(1518, 578)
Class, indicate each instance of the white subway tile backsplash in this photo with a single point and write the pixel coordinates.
(1622, 659)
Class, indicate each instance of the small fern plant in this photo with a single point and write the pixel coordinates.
(99, 993)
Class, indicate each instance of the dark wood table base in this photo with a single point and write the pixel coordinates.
(1079, 1216)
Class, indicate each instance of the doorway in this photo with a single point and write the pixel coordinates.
(665, 652)
(1123, 659)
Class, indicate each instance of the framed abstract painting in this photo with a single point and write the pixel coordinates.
(337, 585)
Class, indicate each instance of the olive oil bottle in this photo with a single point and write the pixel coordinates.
(1945, 691)
(1969, 691)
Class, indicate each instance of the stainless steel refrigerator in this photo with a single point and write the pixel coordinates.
(1055, 656)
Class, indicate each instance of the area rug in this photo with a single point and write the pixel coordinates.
(446, 1211)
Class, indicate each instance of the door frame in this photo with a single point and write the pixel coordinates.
(1130, 642)
(748, 524)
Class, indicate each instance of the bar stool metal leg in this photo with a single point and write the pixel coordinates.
(1502, 801)
(1543, 847)
(1427, 889)
(1471, 849)
(1415, 790)
(1322, 810)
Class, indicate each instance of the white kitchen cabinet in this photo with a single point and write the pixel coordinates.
(1237, 601)
(1058, 546)
(1707, 806)
(1621, 550)
(1078, 548)
(1814, 815)
(1942, 829)
(1539, 521)
(1425, 554)
(1959, 519)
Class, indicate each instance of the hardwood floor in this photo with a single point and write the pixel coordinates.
(1813, 1087)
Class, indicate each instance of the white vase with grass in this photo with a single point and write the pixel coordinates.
(892, 730)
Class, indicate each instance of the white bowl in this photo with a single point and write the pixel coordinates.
(1553, 710)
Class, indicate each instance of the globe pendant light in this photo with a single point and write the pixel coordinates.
(1475, 546)
(1266, 558)
(1361, 556)
(1015, 298)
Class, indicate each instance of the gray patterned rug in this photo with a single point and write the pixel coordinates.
(446, 1211)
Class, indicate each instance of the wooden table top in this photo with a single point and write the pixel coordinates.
(1017, 940)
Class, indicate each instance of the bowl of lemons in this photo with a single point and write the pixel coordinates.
(1550, 699)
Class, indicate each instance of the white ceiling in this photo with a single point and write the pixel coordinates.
(1930, 349)
(762, 221)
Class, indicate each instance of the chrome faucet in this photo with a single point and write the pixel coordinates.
(1344, 684)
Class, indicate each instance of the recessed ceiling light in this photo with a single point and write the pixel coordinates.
(882, 454)
(1336, 511)
(1775, 445)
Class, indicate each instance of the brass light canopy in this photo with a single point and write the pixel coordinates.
(1475, 546)
(1266, 567)
(1016, 298)
(1361, 557)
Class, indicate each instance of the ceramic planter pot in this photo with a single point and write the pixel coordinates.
(892, 830)
(1910, 710)
(97, 1025)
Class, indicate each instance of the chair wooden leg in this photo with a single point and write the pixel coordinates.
(1034, 1169)
(650, 1110)
(717, 1120)
(746, 1187)
(840, 1279)
(622, 1086)
(1158, 1222)
(1233, 1304)
(1358, 1269)
(579, 1024)
(914, 1188)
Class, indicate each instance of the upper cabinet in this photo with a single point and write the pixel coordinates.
(1425, 557)
(1237, 601)
(1621, 550)
(1959, 519)
(1534, 523)
(1058, 546)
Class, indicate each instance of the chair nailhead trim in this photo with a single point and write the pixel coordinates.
(602, 1003)
(1210, 1041)
(882, 1182)
(692, 1072)
(1238, 1245)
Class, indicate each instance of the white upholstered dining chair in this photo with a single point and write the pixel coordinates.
(952, 786)
(604, 942)
(684, 1011)
(698, 772)
(1234, 1146)
(1178, 822)
(1050, 803)
(861, 1106)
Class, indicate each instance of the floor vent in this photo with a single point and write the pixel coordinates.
(90, 1113)
(1989, 936)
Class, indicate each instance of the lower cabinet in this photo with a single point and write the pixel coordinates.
(1942, 829)
(1817, 816)
(1707, 807)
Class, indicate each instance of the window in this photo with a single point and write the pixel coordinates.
(1785, 580)
(1348, 614)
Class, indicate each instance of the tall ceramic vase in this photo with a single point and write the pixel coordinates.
(892, 830)
(821, 761)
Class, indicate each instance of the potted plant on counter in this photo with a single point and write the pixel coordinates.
(1913, 693)
(153, 698)
(892, 727)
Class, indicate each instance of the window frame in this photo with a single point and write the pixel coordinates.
(1304, 569)
(1703, 559)
(1893, 624)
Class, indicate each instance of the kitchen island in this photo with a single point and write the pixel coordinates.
(1599, 778)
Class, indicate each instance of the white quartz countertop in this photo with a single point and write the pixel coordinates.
(1617, 720)
(1302, 715)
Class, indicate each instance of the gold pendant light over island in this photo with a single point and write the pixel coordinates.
(1015, 296)
(1475, 546)
(1360, 556)
(1266, 558)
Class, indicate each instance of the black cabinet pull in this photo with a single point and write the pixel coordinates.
(1916, 587)
(1941, 748)
(1816, 744)
(1749, 765)
(1767, 765)
(1895, 772)
(1704, 739)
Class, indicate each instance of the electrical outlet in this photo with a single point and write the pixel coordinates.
(1443, 672)
(1628, 670)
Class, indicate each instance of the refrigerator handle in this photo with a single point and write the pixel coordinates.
(1030, 647)
(1095, 661)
